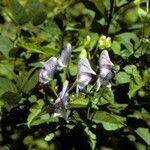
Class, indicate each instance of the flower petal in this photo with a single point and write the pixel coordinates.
(65, 57)
(84, 66)
(84, 75)
(106, 65)
(47, 72)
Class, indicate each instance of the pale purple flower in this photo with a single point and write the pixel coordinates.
(84, 74)
(106, 73)
(64, 58)
(62, 100)
(48, 70)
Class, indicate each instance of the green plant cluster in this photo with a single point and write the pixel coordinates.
(31, 31)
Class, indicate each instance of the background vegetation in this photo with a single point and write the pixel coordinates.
(32, 31)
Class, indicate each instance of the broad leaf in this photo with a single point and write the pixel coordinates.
(5, 45)
(18, 11)
(7, 86)
(122, 78)
(144, 133)
(109, 121)
(35, 110)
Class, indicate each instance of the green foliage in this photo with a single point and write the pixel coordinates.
(32, 31)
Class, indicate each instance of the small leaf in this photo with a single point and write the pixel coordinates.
(49, 137)
(116, 47)
(144, 134)
(122, 78)
(146, 75)
(133, 87)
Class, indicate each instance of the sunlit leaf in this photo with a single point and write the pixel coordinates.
(122, 77)
(144, 133)
(109, 121)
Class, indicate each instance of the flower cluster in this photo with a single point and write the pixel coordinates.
(84, 75)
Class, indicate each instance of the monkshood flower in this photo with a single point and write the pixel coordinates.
(61, 102)
(84, 74)
(48, 70)
(64, 58)
(106, 73)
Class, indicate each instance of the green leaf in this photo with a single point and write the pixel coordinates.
(142, 49)
(80, 101)
(5, 45)
(36, 11)
(125, 39)
(144, 134)
(28, 80)
(116, 47)
(18, 12)
(122, 78)
(100, 6)
(11, 98)
(7, 86)
(121, 2)
(73, 68)
(109, 121)
(7, 69)
(117, 108)
(35, 110)
(49, 137)
(133, 71)
(42, 118)
(31, 83)
(146, 75)
(104, 96)
(91, 136)
(133, 87)
(30, 47)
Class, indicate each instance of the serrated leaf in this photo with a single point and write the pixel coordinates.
(144, 133)
(109, 121)
(122, 78)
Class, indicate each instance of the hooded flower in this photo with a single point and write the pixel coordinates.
(84, 75)
(62, 99)
(106, 73)
(63, 60)
(48, 70)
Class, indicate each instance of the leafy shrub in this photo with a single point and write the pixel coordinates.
(31, 32)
